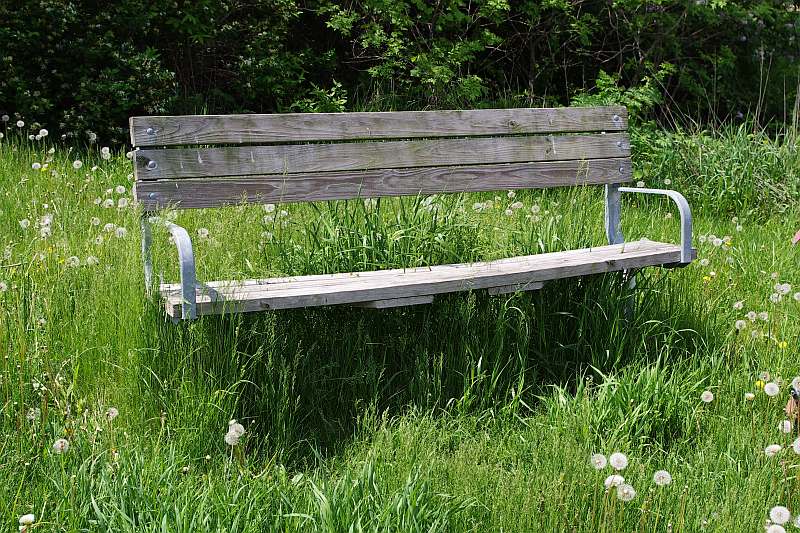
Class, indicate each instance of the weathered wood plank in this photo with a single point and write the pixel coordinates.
(307, 158)
(511, 289)
(396, 302)
(215, 192)
(399, 283)
(291, 127)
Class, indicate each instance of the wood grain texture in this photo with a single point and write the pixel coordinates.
(406, 283)
(215, 192)
(177, 163)
(292, 127)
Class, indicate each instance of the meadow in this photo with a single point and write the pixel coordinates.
(475, 413)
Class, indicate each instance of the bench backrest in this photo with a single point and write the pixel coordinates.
(214, 160)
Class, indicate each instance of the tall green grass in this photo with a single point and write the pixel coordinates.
(474, 413)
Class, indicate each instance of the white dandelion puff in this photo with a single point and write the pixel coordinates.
(796, 446)
(24, 223)
(61, 446)
(36, 166)
(94, 221)
(772, 450)
(202, 233)
(92, 260)
(77, 164)
(122, 203)
(662, 478)
(776, 528)
(120, 232)
(739, 305)
(599, 461)
(779, 514)
(740, 324)
(108, 203)
(626, 492)
(707, 396)
(613, 480)
(73, 261)
(119, 189)
(785, 426)
(112, 413)
(749, 396)
(27, 519)
(20, 124)
(618, 461)
(772, 389)
(764, 316)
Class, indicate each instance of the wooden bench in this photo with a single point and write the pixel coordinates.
(211, 161)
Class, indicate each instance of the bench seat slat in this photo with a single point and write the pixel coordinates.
(293, 127)
(306, 158)
(352, 288)
(214, 192)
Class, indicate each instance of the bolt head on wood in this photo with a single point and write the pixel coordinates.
(152, 165)
(150, 131)
(615, 118)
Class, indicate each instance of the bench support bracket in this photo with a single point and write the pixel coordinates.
(686, 217)
(186, 258)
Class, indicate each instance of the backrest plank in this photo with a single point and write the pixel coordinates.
(299, 127)
(338, 185)
(288, 159)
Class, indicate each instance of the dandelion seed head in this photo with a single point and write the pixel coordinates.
(662, 478)
(27, 519)
(112, 413)
(94, 221)
(707, 396)
(92, 260)
(20, 124)
(626, 492)
(785, 426)
(739, 305)
(73, 261)
(776, 528)
(704, 262)
(122, 203)
(120, 232)
(779, 514)
(618, 461)
(763, 315)
(202, 233)
(3, 286)
(772, 389)
(61, 446)
(751, 315)
(740, 324)
(772, 450)
(749, 396)
(108, 203)
(77, 164)
(24, 223)
(599, 461)
(613, 480)
(36, 166)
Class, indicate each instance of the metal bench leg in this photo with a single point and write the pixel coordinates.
(614, 235)
(186, 258)
(147, 256)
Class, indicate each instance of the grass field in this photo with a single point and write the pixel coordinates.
(476, 413)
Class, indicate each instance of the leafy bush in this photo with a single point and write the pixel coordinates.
(75, 66)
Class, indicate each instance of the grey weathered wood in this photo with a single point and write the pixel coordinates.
(406, 283)
(510, 289)
(175, 163)
(291, 127)
(214, 192)
(396, 302)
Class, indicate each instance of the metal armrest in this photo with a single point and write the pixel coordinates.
(186, 258)
(686, 217)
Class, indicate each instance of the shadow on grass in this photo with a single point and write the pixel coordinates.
(309, 380)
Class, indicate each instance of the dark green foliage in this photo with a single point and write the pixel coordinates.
(79, 65)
